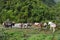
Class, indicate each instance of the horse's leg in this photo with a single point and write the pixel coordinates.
(5, 26)
(53, 29)
(50, 28)
(46, 27)
(21, 26)
(26, 27)
(39, 27)
(11, 26)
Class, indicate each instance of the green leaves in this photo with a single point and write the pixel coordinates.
(27, 10)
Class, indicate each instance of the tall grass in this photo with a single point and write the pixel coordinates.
(27, 34)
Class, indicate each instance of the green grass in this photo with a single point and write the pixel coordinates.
(27, 34)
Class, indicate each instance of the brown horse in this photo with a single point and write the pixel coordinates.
(38, 25)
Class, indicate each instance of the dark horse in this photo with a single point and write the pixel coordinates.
(8, 24)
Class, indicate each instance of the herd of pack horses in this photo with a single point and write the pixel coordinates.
(40, 25)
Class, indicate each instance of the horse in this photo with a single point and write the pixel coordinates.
(17, 25)
(27, 25)
(8, 24)
(52, 26)
(37, 25)
(22, 25)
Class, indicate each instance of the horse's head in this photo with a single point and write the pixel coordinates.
(49, 23)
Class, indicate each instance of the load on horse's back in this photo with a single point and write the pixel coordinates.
(37, 25)
(7, 23)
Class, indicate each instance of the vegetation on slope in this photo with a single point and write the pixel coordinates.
(28, 10)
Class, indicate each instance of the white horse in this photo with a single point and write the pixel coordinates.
(21, 25)
(52, 26)
(17, 25)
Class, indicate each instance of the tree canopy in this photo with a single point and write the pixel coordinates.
(29, 10)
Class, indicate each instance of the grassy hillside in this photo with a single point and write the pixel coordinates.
(28, 34)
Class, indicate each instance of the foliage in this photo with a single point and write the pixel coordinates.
(29, 10)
